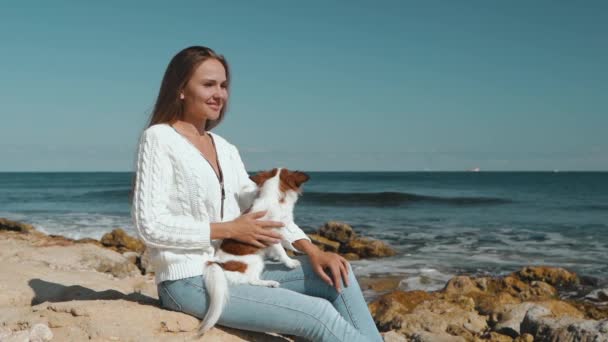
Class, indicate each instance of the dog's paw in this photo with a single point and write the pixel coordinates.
(272, 283)
(267, 283)
(292, 263)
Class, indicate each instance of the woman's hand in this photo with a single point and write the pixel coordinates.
(248, 229)
(336, 264)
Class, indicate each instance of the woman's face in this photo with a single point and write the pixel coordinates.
(206, 93)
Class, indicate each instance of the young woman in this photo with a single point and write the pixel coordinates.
(188, 194)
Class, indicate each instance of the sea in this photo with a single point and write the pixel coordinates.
(442, 224)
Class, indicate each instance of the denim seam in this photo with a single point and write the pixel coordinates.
(187, 282)
(292, 279)
(292, 309)
(179, 307)
(348, 309)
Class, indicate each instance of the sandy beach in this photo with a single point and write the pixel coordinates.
(54, 288)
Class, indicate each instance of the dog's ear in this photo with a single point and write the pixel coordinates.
(293, 179)
(263, 176)
(299, 178)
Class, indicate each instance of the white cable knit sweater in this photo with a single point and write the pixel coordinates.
(177, 195)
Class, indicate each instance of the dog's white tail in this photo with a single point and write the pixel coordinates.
(217, 286)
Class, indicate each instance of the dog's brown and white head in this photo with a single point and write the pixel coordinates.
(280, 179)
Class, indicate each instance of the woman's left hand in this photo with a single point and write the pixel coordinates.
(322, 261)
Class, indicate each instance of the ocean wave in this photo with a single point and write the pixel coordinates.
(393, 199)
(591, 207)
(117, 194)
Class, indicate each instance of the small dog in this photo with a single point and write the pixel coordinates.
(240, 263)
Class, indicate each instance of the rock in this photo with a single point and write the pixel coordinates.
(495, 337)
(592, 310)
(413, 312)
(18, 336)
(122, 242)
(145, 263)
(393, 336)
(389, 309)
(8, 225)
(554, 276)
(424, 336)
(118, 269)
(524, 338)
(351, 256)
(324, 243)
(492, 294)
(598, 295)
(543, 327)
(379, 284)
(368, 248)
(89, 240)
(439, 316)
(131, 256)
(4, 333)
(510, 320)
(40, 333)
(337, 231)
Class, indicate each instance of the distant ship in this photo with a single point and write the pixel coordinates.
(475, 169)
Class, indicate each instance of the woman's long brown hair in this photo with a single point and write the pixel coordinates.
(169, 107)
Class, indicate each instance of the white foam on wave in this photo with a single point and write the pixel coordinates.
(75, 225)
(416, 275)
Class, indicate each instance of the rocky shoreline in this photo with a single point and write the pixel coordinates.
(59, 289)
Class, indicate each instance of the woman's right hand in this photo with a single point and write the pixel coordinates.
(248, 229)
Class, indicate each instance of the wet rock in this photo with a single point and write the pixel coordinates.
(599, 295)
(554, 276)
(324, 243)
(351, 256)
(379, 284)
(368, 248)
(119, 240)
(14, 226)
(337, 231)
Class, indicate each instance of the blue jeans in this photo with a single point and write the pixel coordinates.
(304, 305)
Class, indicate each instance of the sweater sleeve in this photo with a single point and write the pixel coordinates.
(248, 190)
(291, 234)
(154, 223)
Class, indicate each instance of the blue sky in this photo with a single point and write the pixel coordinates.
(343, 85)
